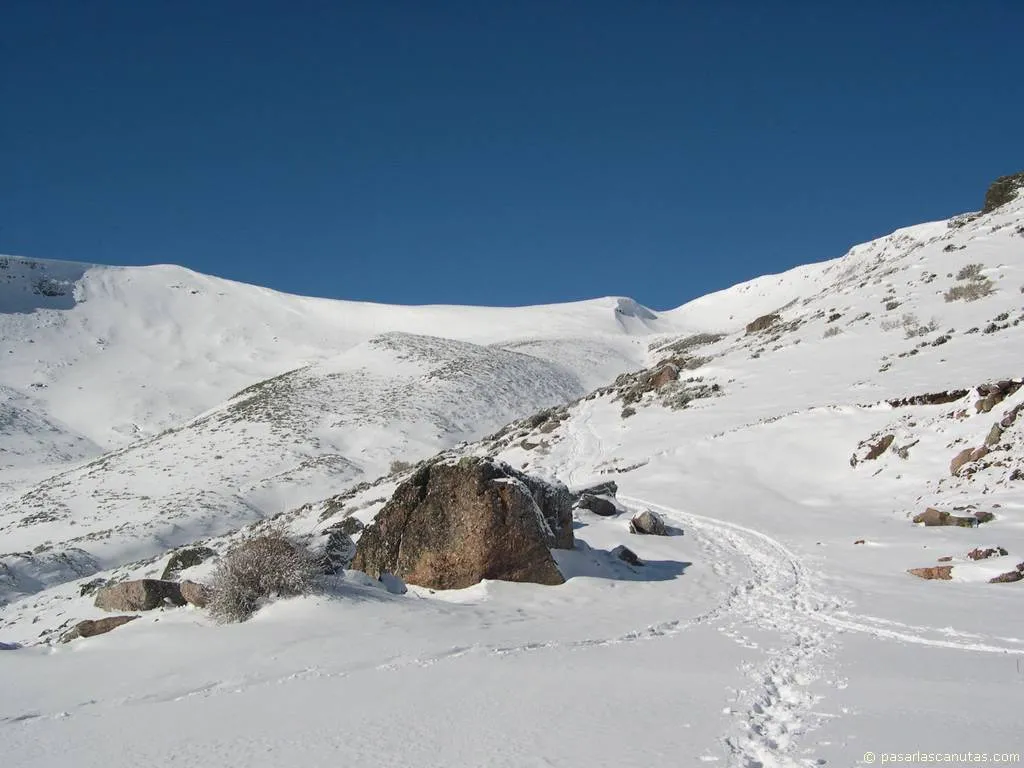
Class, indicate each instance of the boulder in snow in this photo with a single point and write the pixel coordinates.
(195, 593)
(648, 522)
(140, 595)
(627, 555)
(186, 557)
(940, 572)
(599, 505)
(90, 628)
(452, 525)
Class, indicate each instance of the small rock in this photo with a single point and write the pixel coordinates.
(984, 554)
(932, 517)
(599, 505)
(1006, 578)
(90, 628)
(607, 488)
(627, 555)
(945, 559)
(879, 448)
(860, 541)
(187, 557)
(90, 587)
(649, 523)
(941, 572)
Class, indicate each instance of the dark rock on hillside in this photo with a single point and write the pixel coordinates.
(965, 457)
(452, 525)
(931, 398)
(90, 587)
(1002, 191)
(187, 557)
(338, 551)
(763, 322)
(607, 488)
(984, 554)
(1009, 577)
(350, 526)
(90, 628)
(599, 505)
(627, 555)
(140, 595)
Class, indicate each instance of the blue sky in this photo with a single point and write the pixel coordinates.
(500, 152)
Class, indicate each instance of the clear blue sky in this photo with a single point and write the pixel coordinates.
(497, 152)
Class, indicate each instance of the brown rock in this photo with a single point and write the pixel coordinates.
(1006, 578)
(763, 322)
(966, 456)
(195, 593)
(452, 525)
(941, 572)
(666, 375)
(932, 517)
(879, 448)
(141, 595)
(1007, 421)
(984, 554)
(89, 628)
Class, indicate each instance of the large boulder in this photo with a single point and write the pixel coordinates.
(452, 525)
(187, 557)
(648, 522)
(140, 595)
(90, 628)
(932, 517)
(338, 550)
(940, 572)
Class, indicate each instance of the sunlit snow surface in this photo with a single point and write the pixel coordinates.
(760, 635)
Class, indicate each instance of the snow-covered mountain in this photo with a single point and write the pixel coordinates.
(791, 427)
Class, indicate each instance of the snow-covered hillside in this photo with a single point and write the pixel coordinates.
(790, 429)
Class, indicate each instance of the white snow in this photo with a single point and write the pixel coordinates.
(759, 634)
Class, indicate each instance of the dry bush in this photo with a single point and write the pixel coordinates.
(400, 466)
(970, 272)
(971, 291)
(258, 569)
(833, 331)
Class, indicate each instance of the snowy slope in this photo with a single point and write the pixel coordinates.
(779, 628)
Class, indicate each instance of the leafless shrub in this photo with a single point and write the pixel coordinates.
(835, 330)
(257, 570)
(971, 291)
(970, 272)
(400, 466)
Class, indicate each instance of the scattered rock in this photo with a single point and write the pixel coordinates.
(140, 595)
(984, 517)
(763, 322)
(607, 488)
(90, 628)
(649, 523)
(185, 558)
(1006, 578)
(941, 572)
(90, 587)
(965, 457)
(195, 593)
(350, 526)
(932, 517)
(627, 555)
(984, 554)
(945, 559)
(993, 436)
(599, 505)
(452, 525)
(879, 448)
(933, 398)
(860, 541)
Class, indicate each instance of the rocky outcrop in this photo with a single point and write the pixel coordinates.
(994, 393)
(763, 322)
(452, 525)
(932, 517)
(984, 554)
(141, 595)
(1002, 191)
(90, 628)
(941, 572)
(931, 398)
(648, 523)
(187, 557)
(1007, 578)
(664, 376)
(607, 488)
(350, 526)
(965, 457)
